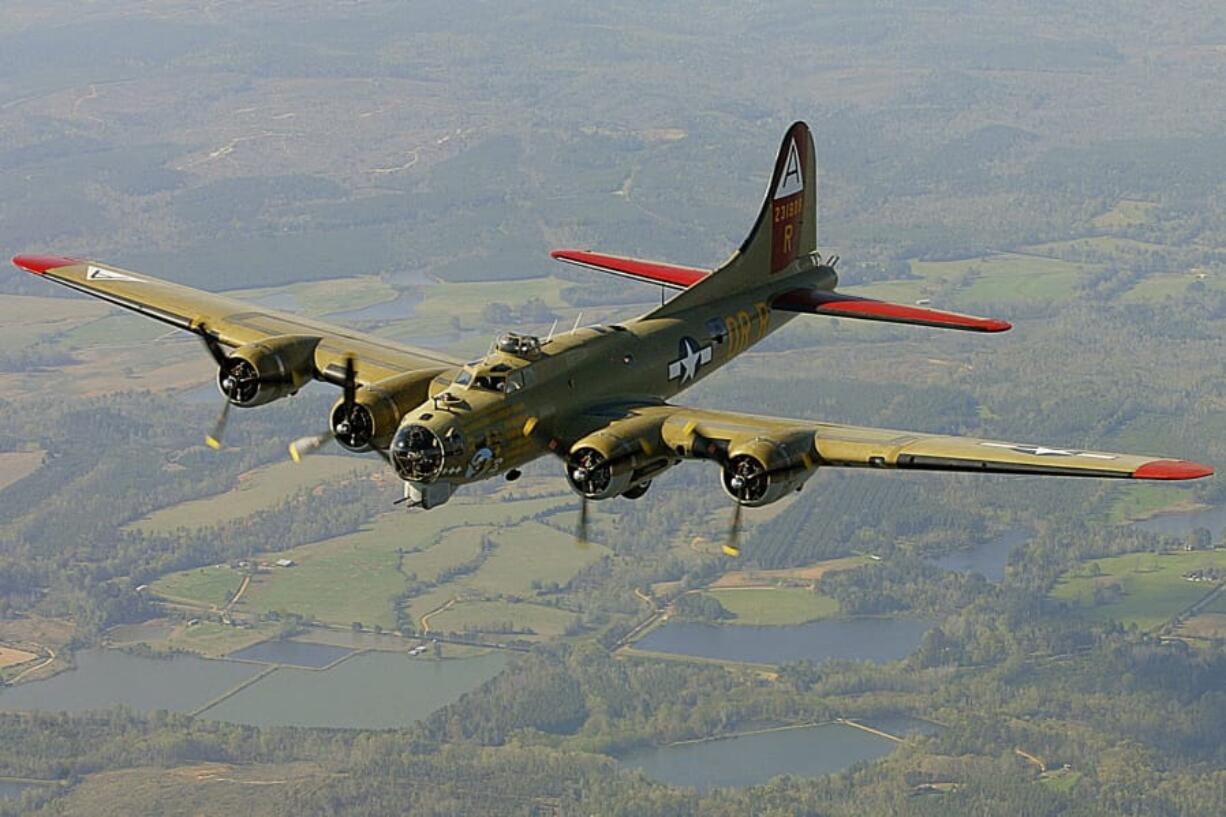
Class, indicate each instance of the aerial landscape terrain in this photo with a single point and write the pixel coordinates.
(189, 631)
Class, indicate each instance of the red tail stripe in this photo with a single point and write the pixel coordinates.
(821, 302)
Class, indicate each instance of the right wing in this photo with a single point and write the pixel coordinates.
(814, 444)
(233, 322)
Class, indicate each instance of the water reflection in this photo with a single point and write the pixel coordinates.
(857, 639)
(376, 690)
(294, 653)
(11, 789)
(753, 759)
(987, 559)
(1179, 524)
(107, 678)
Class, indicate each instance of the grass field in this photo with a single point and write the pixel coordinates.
(1206, 625)
(357, 577)
(1126, 213)
(1143, 501)
(257, 490)
(315, 298)
(17, 465)
(453, 547)
(529, 552)
(488, 616)
(806, 574)
(1164, 285)
(769, 606)
(25, 320)
(11, 657)
(212, 586)
(997, 278)
(215, 640)
(1153, 585)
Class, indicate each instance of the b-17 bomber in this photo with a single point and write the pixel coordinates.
(598, 397)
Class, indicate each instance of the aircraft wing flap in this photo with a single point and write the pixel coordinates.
(836, 304)
(233, 322)
(667, 275)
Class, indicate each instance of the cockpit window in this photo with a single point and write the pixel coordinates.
(464, 377)
(490, 382)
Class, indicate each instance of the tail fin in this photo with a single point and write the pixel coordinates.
(786, 229)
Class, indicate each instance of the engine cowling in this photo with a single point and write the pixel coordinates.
(267, 370)
(378, 409)
(762, 471)
(617, 459)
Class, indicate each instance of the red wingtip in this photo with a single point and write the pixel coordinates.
(1172, 469)
(38, 264)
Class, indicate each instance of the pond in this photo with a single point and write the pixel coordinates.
(857, 639)
(106, 678)
(375, 690)
(987, 559)
(294, 653)
(1179, 524)
(12, 789)
(749, 760)
(398, 308)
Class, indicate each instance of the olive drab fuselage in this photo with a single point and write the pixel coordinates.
(508, 409)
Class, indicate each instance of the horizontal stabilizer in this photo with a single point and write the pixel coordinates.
(823, 302)
(668, 275)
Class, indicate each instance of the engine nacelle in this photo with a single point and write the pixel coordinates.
(762, 471)
(378, 409)
(618, 458)
(267, 370)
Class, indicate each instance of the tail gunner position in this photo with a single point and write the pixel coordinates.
(597, 397)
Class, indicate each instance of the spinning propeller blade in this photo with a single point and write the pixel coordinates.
(213, 439)
(731, 546)
(581, 539)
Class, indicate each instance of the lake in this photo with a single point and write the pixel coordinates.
(857, 639)
(987, 559)
(294, 653)
(107, 678)
(375, 690)
(752, 759)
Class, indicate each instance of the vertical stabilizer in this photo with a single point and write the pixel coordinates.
(786, 229)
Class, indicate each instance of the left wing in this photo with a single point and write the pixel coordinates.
(233, 322)
(805, 444)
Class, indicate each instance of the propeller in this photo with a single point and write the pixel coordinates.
(348, 423)
(302, 446)
(745, 476)
(581, 540)
(214, 438)
(731, 546)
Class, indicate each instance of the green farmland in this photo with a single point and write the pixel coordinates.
(1151, 587)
